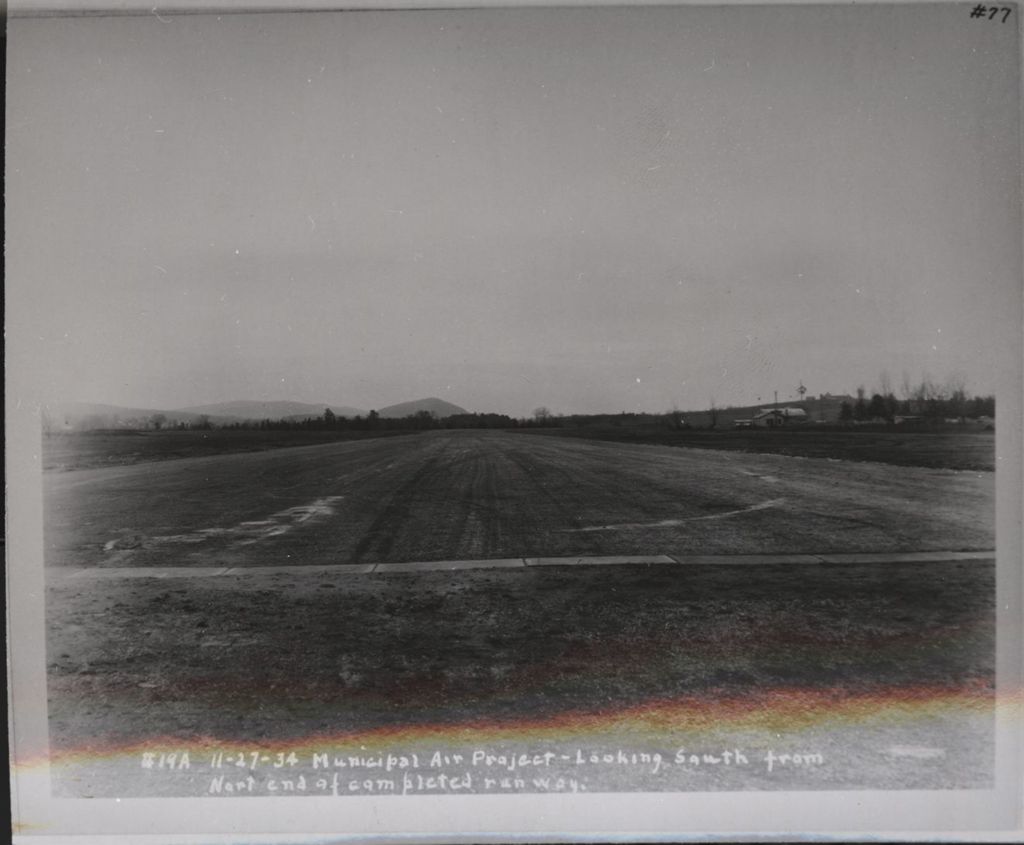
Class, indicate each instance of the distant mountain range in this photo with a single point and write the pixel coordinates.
(438, 407)
(79, 416)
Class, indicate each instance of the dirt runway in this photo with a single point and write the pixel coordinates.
(469, 495)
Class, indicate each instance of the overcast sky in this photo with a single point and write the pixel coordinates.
(592, 210)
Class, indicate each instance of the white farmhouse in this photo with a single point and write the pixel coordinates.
(775, 417)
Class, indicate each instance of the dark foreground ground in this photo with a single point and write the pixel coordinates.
(884, 670)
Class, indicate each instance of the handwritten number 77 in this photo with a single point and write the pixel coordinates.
(982, 11)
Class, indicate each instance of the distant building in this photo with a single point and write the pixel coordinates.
(775, 417)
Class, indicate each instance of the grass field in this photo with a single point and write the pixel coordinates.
(92, 449)
(962, 450)
(967, 450)
(727, 656)
(515, 645)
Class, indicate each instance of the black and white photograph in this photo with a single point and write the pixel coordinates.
(536, 408)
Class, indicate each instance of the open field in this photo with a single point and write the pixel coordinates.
(858, 662)
(882, 670)
(948, 449)
(964, 450)
(466, 495)
(84, 450)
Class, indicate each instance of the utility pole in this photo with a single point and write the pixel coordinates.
(776, 400)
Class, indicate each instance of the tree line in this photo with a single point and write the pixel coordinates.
(927, 399)
(420, 421)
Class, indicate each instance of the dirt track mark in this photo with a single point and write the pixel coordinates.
(244, 534)
(381, 534)
(672, 523)
(535, 471)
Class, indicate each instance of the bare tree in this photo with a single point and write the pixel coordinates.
(906, 389)
(921, 394)
(676, 419)
(860, 407)
(877, 408)
(955, 390)
(885, 384)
